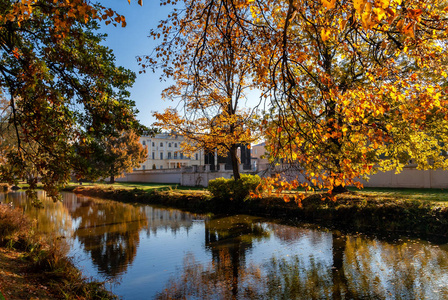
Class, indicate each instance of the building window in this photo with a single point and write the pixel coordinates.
(161, 144)
(169, 155)
(181, 155)
(161, 167)
(143, 167)
(161, 155)
(169, 145)
(153, 155)
(143, 143)
(153, 144)
(197, 156)
(175, 145)
(175, 154)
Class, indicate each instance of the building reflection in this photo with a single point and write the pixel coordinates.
(110, 231)
(229, 239)
(165, 219)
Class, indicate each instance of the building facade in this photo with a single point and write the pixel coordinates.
(165, 152)
(259, 159)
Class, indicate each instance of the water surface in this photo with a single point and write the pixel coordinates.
(146, 252)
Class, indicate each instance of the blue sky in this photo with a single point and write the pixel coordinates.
(133, 40)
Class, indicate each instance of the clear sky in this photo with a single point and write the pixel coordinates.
(133, 40)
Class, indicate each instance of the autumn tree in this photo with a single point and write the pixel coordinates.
(115, 154)
(350, 86)
(356, 86)
(62, 86)
(212, 78)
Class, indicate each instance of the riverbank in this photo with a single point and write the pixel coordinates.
(36, 267)
(376, 213)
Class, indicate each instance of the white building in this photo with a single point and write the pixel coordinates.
(165, 152)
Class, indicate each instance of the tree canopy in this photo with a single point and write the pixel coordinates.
(114, 155)
(212, 80)
(355, 85)
(61, 85)
(358, 86)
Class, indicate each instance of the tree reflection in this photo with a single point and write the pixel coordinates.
(229, 238)
(351, 267)
(109, 231)
(405, 270)
(51, 218)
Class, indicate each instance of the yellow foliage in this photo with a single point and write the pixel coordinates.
(351, 82)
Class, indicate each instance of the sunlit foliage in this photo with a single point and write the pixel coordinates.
(61, 85)
(355, 86)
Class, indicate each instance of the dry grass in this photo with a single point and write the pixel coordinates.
(43, 260)
(15, 228)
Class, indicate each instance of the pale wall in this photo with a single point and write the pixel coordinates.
(156, 176)
(185, 176)
(409, 178)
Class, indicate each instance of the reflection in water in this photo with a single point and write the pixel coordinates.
(229, 238)
(237, 257)
(52, 218)
(168, 219)
(109, 231)
(359, 268)
(407, 270)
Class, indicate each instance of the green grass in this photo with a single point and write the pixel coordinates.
(433, 195)
(128, 185)
(139, 185)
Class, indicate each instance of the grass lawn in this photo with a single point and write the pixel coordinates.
(140, 185)
(433, 195)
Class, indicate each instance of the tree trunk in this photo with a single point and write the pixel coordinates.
(235, 161)
(340, 282)
(340, 189)
(112, 179)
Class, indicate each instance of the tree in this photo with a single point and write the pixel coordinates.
(211, 80)
(351, 89)
(122, 153)
(353, 84)
(62, 86)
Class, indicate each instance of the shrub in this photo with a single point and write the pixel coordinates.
(4, 187)
(231, 189)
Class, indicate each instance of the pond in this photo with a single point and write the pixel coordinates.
(147, 252)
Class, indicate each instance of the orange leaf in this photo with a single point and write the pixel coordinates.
(325, 34)
(329, 4)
